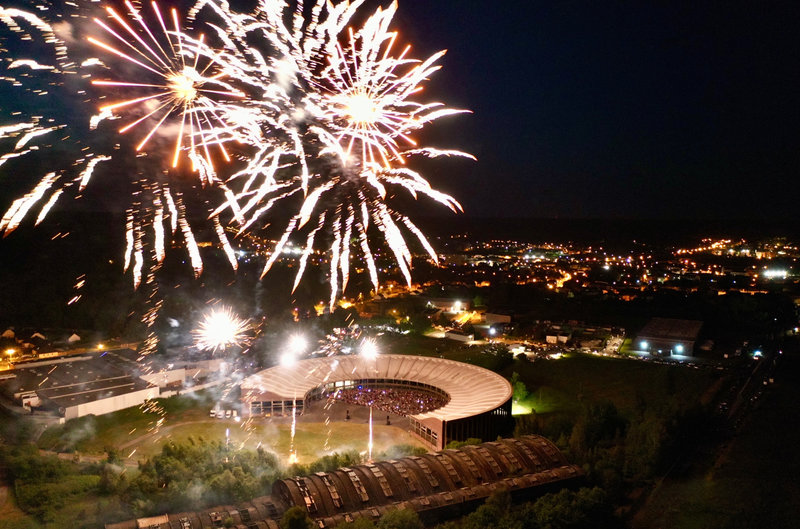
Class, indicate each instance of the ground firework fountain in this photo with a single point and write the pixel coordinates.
(369, 444)
(292, 451)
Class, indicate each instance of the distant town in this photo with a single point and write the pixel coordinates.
(565, 334)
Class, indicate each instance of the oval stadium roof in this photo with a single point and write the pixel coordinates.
(472, 389)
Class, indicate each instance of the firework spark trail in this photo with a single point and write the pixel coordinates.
(322, 115)
(20, 207)
(369, 443)
(350, 102)
(180, 85)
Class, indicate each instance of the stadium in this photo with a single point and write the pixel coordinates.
(476, 401)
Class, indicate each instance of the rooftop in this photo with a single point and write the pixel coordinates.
(472, 389)
(671, 329)
(75, 381)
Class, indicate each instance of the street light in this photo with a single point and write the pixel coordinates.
(10, 352)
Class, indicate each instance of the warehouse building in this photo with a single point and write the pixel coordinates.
(438, 486)
(667, 336)
(92, 384)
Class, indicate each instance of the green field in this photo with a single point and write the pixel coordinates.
(563, 384)
(309, 442)
(92, 434)
(751, 482)
(138, 434)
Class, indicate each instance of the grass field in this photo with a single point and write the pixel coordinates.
(133, 432)
(752, 482)
(11, 516)
(544, 399)
(563, 384)
(309, 443)
(92, 434)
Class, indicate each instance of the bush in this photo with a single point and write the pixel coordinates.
(296, 518)
(400, 519)
(41, 499)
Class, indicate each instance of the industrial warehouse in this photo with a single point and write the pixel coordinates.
(477, 401)
(668, 336)
(438, 486)
(100, 382)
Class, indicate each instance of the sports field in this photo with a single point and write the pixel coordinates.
(136, 434)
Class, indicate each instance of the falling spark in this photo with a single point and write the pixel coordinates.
(324, 113)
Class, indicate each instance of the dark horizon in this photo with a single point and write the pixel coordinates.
(616, 109)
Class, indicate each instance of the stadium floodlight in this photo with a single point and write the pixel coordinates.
(298, 344)
(288, 359)
(369, 349)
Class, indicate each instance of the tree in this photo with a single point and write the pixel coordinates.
(358, 523)
(519, 387)
(477, 301)
(495, 513)
(586, 508)
(400, 519)
(459, 444)
(296, 518)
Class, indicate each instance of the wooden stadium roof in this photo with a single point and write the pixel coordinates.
(472, 389)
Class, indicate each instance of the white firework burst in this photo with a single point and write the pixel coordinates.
(221, 329)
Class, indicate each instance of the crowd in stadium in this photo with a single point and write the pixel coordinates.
(399, 401)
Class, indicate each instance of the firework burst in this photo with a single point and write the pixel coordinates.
(179, 92)
(187, 82)
(347, 130)
(365, 94)
(323, 116)
(221, 329)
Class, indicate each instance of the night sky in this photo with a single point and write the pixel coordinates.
(609, 109)
(617, 109)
